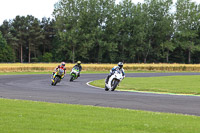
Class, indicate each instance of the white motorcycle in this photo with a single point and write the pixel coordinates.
(114, 80)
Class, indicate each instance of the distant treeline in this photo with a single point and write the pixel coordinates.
(101, 31)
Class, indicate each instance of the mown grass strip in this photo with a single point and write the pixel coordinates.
(167, 84)
(20, 116)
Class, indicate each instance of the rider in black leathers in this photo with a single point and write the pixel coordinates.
(78, 64)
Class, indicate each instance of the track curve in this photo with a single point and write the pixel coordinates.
(38, 88)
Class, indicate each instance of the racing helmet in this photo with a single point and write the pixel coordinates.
(120, 64)
(62, 64)
(78, 62)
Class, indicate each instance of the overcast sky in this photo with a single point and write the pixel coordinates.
(9, 9)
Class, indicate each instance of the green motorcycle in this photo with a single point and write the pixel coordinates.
(74, 73)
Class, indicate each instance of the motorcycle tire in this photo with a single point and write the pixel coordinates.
(56, 81)
(114, 85)
(71, 79)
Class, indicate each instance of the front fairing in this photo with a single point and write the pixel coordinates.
(75, 71)
(117, 76)
(60, 72)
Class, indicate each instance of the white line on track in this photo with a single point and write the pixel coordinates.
(88, 83)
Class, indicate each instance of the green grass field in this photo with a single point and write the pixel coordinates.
(167, 84)
(18, 116)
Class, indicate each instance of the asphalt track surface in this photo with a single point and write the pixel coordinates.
(38, 88)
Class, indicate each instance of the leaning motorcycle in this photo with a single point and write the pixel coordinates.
(74, 73)
(114, 81)
(57, 77)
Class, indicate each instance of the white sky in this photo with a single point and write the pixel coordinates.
(9, 9)
(141, 1)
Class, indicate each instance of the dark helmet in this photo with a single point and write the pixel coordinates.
(120, 64)
(62, 64)
(78, 62)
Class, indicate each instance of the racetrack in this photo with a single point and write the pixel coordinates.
(38, 88)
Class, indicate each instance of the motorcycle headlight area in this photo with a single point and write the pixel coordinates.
(60, 73)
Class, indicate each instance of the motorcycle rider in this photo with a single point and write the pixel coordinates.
(119, 67)
(78, 64)
(62, 66)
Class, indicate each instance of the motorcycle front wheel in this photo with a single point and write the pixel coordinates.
(114, 84)
(56, 80)
(72, 78)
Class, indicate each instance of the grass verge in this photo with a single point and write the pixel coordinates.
(168, 84)
(20, 116)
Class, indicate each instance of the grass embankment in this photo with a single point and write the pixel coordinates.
(19, 116)
(167, 84)
(49, 67)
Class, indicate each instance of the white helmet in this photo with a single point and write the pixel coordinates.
(120, 64)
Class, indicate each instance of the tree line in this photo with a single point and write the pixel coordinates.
(101, 31)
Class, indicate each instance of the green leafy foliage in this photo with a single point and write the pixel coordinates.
(6, 54)
(101, 31)
(47, 57)
(187, 22)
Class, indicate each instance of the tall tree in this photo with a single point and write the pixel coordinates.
(34, 37)
(20, 32)
(6, 54)
(143, 26)
(7, 30)
(95, 40)
(67, 13)
(125, 15)
(160, 25)
(48, 31)
(187, 17)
